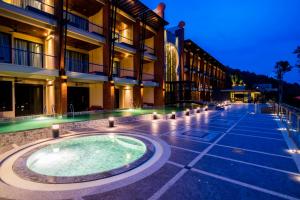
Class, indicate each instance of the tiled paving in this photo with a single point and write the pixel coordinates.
(215, 155)
(231, 154)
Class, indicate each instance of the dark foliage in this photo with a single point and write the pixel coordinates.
(250, 79)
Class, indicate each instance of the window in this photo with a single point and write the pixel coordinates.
(28, 53)
(5, 48)
(77, 62)
(5, 96)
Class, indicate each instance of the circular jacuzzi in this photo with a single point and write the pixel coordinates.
(76, 164)
(83, 158)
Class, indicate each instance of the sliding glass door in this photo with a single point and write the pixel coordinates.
(77, 62)
(29, 99)
(78, 98)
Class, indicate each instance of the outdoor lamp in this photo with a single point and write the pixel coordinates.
(173, 115)
(154, 115)
(187, 112)
(198, 109)
(55, 130)
(206, 108)
(111, 122)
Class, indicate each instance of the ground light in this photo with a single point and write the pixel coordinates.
(198, 109)
(173, 115)
(154, 115)
(206, 108)
(187, 112)
(111, 122)
(55, 130)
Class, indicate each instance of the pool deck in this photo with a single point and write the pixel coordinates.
(231, 154)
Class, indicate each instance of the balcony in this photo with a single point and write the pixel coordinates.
(149, 50)
(82, 71)
(84, 24)
(148, 77)
(123, 73)
(149, 53)
(124, 43)
(84, 67)
(35, 6)
(21, 62)
(82, 29)
(124, 76)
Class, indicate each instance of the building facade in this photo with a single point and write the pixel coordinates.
(192, 74)
(76, 55)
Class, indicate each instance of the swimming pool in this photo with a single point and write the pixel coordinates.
(44, 121)
(84, 158)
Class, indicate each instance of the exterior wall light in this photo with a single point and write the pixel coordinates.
(155, 115)
(173, 115)
(187, 112)
(55, 131)
(111, 122)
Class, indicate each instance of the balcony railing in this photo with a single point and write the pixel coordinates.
(123, 72)
(84, 24)
(122, 39)
(33, 5)
(26, 58)
(149, 50)
(84, 67)
(148, 77)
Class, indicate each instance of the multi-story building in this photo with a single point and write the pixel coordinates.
(76, 55)
(192, 74)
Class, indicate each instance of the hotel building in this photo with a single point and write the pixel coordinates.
(192, 74)
(76, 55)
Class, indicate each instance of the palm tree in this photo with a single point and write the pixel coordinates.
(281, 68)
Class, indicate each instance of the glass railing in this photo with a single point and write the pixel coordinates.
(123, 72)
(290, 117)
(148, 77)
(26, 58)
(84, 24)
(82, 66)
(122, 39)
(149, 50)
(37, 6)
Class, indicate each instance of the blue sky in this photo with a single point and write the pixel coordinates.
(246, 34)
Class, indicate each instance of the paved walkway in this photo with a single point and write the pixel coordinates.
(233, 154)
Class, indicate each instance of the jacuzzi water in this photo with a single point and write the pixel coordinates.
(86, 155)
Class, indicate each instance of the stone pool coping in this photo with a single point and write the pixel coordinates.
(21, 169)
(26, 136)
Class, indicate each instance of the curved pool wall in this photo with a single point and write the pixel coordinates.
(8, 126)
(84, 158)
(15, 185)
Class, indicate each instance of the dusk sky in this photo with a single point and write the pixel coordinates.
(246, 34)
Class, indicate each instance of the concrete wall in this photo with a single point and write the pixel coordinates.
(96, 94)
(126, 97)
(148, 96)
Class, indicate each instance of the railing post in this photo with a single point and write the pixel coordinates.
(298, 123)
(290, 117)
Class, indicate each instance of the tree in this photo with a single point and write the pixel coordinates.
(281, 68)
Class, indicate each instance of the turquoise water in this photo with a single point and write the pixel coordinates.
(44, 122)
(86, 155)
